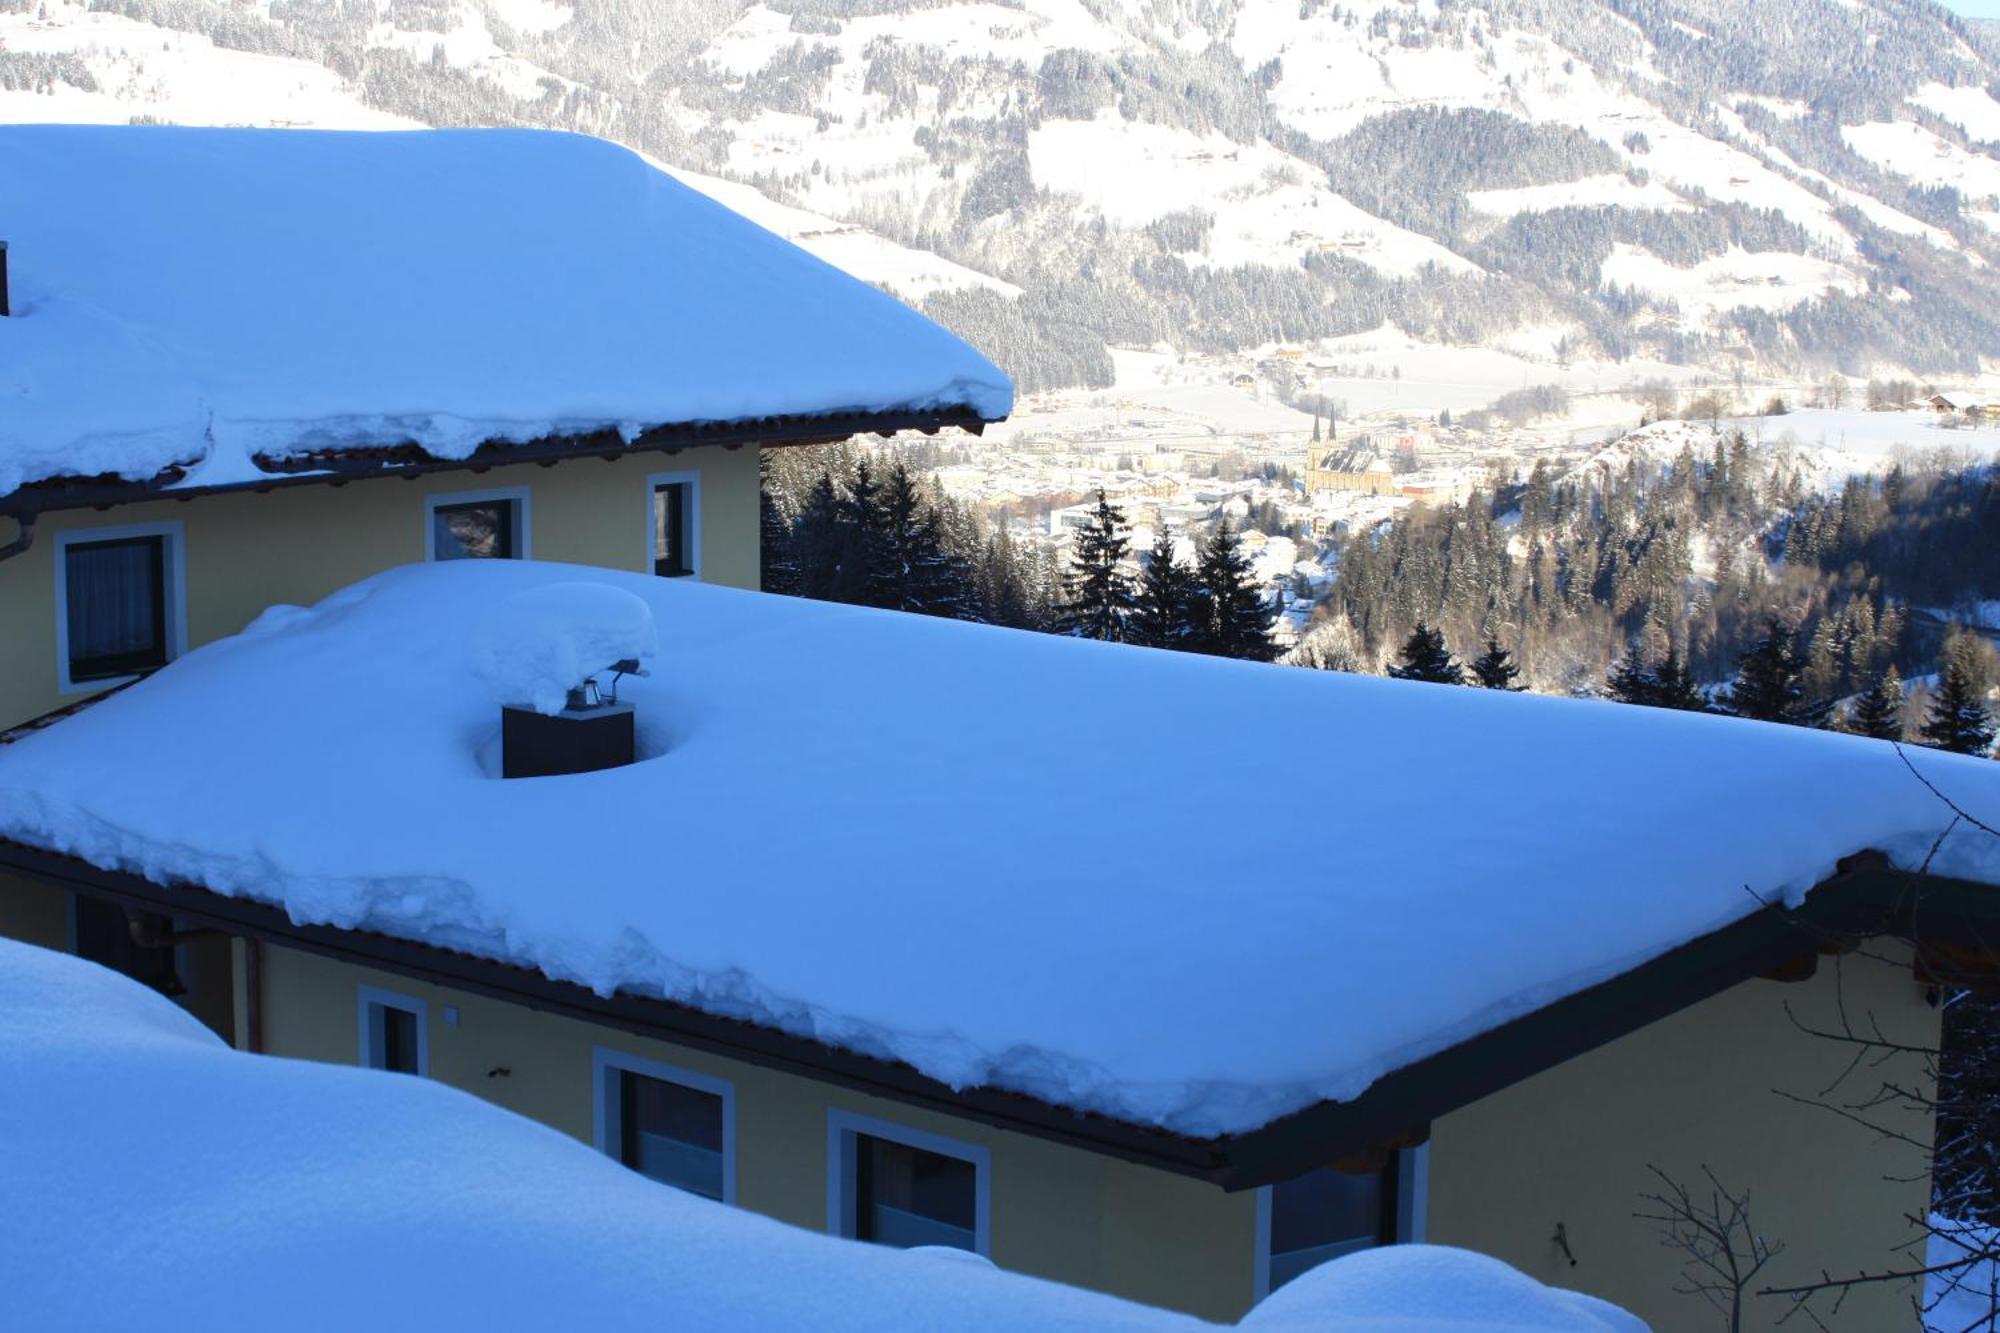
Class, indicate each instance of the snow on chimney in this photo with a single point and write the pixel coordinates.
(541, 653)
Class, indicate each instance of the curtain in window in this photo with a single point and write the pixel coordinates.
(115, 596)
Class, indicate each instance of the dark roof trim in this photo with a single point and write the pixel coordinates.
(408, 460)
(1866, 898)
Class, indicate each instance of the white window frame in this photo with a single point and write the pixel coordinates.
(1413, 1187)
(174, 533)
(842, 1128)
(607, 1066)
(691, 480)
(519, 496)
(367, 998)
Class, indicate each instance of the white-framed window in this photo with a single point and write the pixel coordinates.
(395, 1031)
(1324, 1214)
(669, 1124)
(121, 602)
(673, 524)
(904, 1187)
(478, 525)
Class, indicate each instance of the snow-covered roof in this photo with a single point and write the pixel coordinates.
(954, 845)
(288, 1194)
(198, 297)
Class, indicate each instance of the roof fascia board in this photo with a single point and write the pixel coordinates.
(46, 497)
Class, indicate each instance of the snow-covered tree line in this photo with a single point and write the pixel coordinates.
(841, 526)
(1690, 562)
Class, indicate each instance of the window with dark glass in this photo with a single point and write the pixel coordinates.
(906, 1196)
(671, 1133)
(475, 530)
(672, 554)
(115, 595)
(396, 1038)
(1325, 1214)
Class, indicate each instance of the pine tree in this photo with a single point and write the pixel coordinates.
(778, 564)
(914, 573)
(1770, 681)
(1630, 682)
(1099, 595)
(1496, 669)
(1879, 711)
(859, 578)
(1232, 619)
(1959, 720)
(1169, 598)
(1674, 686)
(1425, 657)
(819, 539)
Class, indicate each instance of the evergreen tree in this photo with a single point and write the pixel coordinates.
(1879, 711)
(819, 538)
(1425, 657)
(1630, 682)
(914, 573)
(1496, 669)
(1169, 598)
(1770, 681)
(1958, 720)
(1674, 686)
(1099, 595)
(1231, 618)
(859, 577)
(778, 565)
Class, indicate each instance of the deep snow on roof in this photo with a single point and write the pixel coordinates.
(252, 1193)
(1184, 892)
(203, 295)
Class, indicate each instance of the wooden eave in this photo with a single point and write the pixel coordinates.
(407, 459)
(1866, 898)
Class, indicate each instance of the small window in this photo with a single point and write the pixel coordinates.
(1323, 1215)
(671, 1133)
(902, 1187)
(480, 530)
(673, 529)
(104, 934)
(393, 1035)
(115, 607)
(905, 1196)
(478, 525)
(670, 1124)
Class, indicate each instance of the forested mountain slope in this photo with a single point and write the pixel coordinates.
(1798, 186)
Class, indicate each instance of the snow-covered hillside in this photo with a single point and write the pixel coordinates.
(1672, 180)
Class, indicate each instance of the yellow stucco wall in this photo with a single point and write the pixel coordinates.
(34, 913)
(1056, 1212)
(245, 552)
(1699, 1089)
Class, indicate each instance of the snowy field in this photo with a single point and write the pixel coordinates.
(1167, 970)
(260, 1193)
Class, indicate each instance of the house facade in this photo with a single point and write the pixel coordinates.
(1520, 1124)
(1544, 1173)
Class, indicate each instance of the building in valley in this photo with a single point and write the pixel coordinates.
(883, 925)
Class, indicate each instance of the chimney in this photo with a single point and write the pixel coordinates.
(591, 733)
(4, 308)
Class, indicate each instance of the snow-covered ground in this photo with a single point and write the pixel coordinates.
(1168, 972)
(157, 1179)
(205, 296)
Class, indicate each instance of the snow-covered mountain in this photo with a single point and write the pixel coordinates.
(1791, 186)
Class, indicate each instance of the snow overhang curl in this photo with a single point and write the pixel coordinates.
(538, 645)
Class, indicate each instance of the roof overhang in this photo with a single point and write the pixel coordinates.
(407, 460)
(1867, 898)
